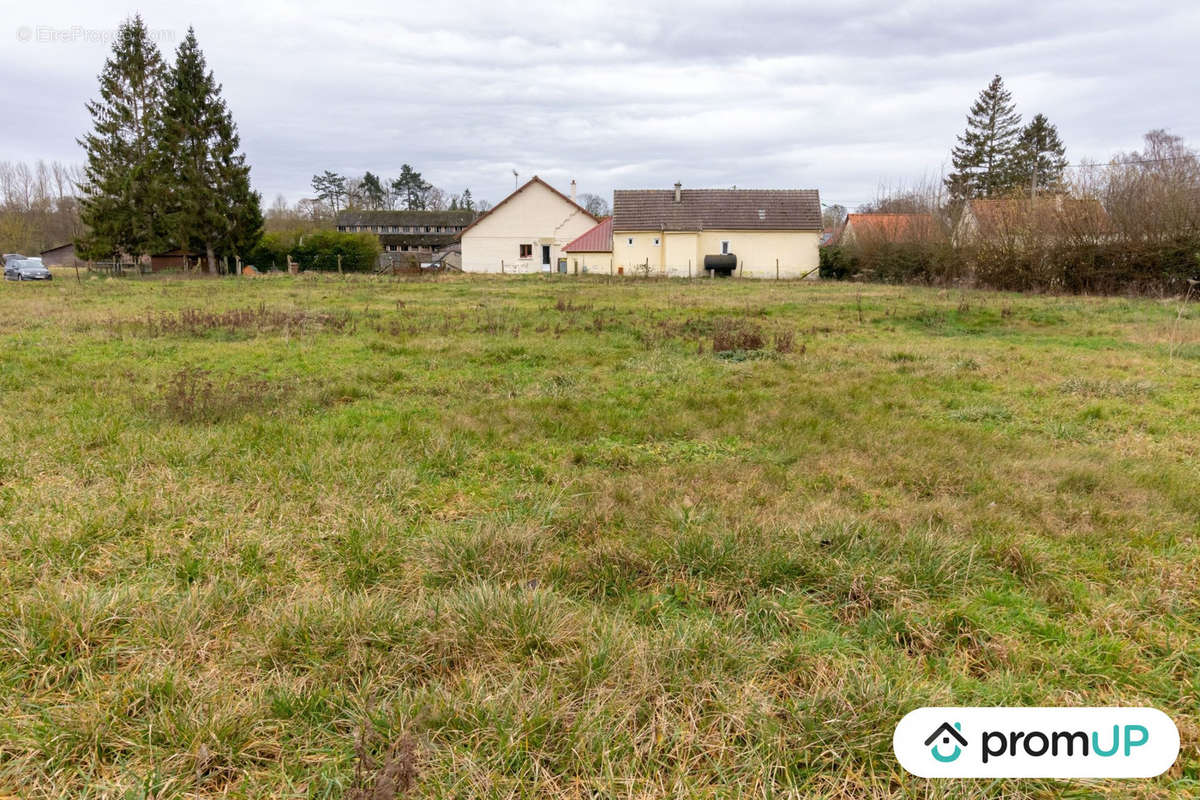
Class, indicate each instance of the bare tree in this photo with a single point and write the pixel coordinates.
(596, 205)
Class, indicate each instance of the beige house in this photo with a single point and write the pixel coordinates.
(752, 233)
(525, 232)
(592, 252)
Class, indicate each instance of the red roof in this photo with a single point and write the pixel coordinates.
(597, 240)
(891, 227)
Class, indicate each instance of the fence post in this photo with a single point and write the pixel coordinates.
(777, 269)
(339, 263)
(502, 266)
(689, 269)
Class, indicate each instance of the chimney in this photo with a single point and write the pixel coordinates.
(678, 191)
(572, 190)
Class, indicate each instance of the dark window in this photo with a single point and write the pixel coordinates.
(526, 251)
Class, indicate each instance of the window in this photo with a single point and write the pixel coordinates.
(724, 247)
(629, 241)
(656, 241)
(526, 251)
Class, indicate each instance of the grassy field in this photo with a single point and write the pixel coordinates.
(536, 538)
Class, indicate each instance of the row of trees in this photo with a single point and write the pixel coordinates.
(164, 167)
(996, 154)
(408, 191)
(38, 208)
(1131, 224)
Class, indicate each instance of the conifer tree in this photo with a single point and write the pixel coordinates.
(373, 192)
(1040, 157)
(984, 158)
(123, 186)
(210, 203)
(412, 189)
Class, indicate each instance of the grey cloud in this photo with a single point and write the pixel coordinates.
(838, 96)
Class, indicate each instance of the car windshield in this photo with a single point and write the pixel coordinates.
(29, 263)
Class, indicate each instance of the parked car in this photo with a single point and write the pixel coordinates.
(26, 269)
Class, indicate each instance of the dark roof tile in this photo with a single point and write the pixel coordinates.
(708, 209)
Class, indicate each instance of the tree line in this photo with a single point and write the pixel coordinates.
(1131, 223)
(38, 207)
(408, 191)
(164, 168)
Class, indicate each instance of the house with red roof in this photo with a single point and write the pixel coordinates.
(874, 229)
(592, 252)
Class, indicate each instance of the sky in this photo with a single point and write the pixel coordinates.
(851, 98)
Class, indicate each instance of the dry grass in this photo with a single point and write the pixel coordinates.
(322, 537)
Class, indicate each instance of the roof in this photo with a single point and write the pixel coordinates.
(177, 251)
(727, 209)
(534, 180)
(57, 247)
(1052, 213)
(405, 217)
(597, 240)
(890, 227)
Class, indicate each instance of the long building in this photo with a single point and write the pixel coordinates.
(422, 233)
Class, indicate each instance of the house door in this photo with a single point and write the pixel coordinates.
(545, 258)
(562, 266)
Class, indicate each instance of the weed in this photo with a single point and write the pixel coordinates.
(736, 334)
(388, 777)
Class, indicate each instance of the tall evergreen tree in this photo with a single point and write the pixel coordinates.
(411, 188)
(210, 203)
(1040, 157)
(984, 156)
(374, 195)
(466, 202)
(123, 186)
(330, 188)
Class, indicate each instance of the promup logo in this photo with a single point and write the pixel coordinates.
(1036, 742)
(947, 732)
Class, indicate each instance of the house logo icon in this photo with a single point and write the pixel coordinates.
(946, 732)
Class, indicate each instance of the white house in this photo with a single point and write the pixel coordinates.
(526, 231)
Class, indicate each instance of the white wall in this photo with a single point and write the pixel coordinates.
(535, 215)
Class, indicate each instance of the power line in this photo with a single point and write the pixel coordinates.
(1133, 161)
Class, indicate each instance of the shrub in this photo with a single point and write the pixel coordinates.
(318, 251)
(738, 335)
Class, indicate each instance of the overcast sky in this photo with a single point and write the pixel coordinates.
(840, 96)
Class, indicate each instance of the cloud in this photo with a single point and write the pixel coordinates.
(843, 97)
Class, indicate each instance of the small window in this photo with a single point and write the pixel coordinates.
(629, 241)
(656, 241)
(724, 247)
(526, 251)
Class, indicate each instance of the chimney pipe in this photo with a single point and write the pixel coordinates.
(678, 191)
(572, 190)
